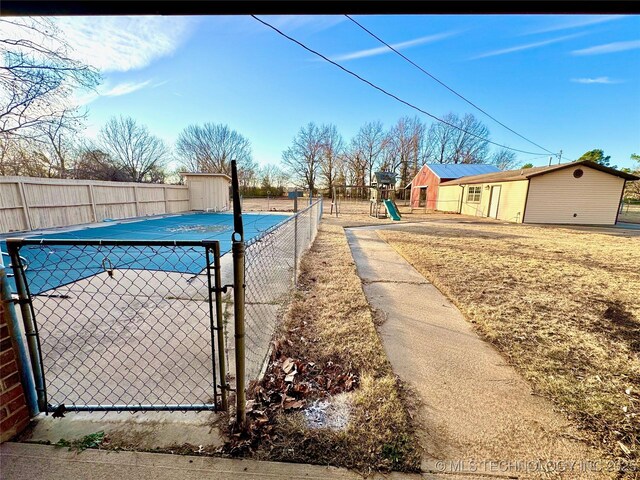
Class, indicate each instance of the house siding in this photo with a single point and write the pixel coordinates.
(513, 196)
(558, 197)
(449, 198)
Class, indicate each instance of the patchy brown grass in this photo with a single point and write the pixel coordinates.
(329, 322)
(563, 306)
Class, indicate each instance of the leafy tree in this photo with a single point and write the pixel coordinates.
(527, 165)
(597, 156)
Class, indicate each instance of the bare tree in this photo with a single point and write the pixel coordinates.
(369, 142)
(504, 159)
(272, 177)
(22, 156)
(330, 159)
(94, 164)
(460, 140)
(404, 147)
(211, 147)
(139, 153)
(304, 155)
(37, 77)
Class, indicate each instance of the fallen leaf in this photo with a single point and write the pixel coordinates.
(288, 365)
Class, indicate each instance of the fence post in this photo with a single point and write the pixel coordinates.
(220, 326)
(135, 197)
(25, 206)
(31, 331)
(295, 250)
(15, 332)
(238, 253)
(92, 199)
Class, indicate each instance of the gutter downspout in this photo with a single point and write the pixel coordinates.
(624, 185)
(461, 198)
(15, 332)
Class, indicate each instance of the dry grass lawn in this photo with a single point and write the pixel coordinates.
(563, 306)
(330, 322)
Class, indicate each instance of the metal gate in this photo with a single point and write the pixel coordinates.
(122, 325)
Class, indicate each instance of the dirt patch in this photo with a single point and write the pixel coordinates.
(561, 305)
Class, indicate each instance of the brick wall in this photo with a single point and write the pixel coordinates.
(14, 415)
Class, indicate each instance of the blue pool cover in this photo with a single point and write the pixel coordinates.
(52, 266)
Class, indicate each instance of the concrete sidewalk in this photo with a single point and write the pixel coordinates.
(474, 405)
(21, 461)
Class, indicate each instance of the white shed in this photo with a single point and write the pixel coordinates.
(580, 192)
(208, 191)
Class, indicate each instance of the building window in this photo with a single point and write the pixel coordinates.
(473, 194)
(577, 173)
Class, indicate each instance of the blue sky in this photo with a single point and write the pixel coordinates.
(569, 82)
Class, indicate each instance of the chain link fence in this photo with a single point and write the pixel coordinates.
(121, 326)
(271, 266)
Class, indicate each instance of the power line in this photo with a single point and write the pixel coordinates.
(395, 97)
(446, 86)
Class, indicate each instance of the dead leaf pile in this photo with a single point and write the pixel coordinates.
(288, 385)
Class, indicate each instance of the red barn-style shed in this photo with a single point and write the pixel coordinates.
(424, 186)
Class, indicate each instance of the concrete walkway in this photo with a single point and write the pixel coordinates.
(474, 405)
(21, 461)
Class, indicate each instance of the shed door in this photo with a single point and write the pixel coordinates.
(494, 201)
(422, 202)
(196, 192)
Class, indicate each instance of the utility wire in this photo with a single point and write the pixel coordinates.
(395, 97)
(390, 47)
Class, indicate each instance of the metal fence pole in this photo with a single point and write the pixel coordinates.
(220, 326)
(22, 358)
(238, 251)
(31, 330)
(295, 250)
(238, 310)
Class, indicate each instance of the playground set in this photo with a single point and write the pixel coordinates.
(383, 196)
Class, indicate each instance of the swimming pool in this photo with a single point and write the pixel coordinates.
(52, 266)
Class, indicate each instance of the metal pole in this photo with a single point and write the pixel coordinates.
(220, 326)
(295, 201)
(295, 250)
(238, 311)
(22, 358)
(237, 250)
(31, 330)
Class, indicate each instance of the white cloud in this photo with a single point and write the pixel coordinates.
(124, 88)
(120, 44)
(117, 90)
(604, 80)
(575, 23)
(398, 46)
(527, 46)
(609, 48)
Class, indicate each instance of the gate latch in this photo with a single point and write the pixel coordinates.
(222, 289)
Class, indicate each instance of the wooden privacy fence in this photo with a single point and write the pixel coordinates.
(28, 203)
